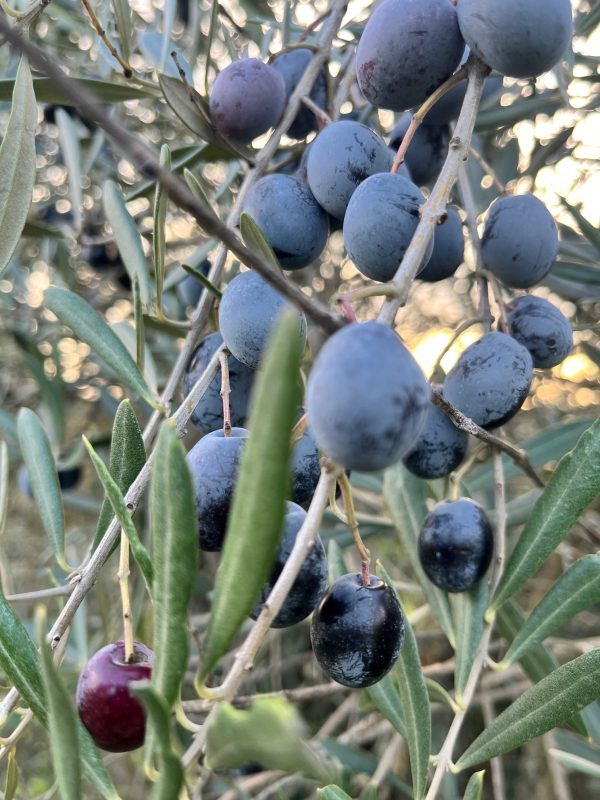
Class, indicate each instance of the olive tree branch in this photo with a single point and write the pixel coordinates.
(466, 424)
(176, 189)
(435, 206)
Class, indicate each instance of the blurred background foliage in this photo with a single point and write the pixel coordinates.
(542, 137)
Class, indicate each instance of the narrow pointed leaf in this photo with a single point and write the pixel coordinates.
(196, 187)
(127, 457)
(115, 498)
(170, 769)
(3, 485)
(537, 661)
(332, 792)
(12, 775)
(408, 676)
(405, 496)
(19, 660)
(255, 239)
(127, 237)
(72, 157)
(474, 786)
(576, 763)
(468, 609)
(123, 22)
(544, 706)
(201, 278)
(576, 590)
(175, 561)
(89, 326)
(62, 729)
(385, 696)
(159, 244)
(256, 517)
(437, 693)
(590, 231)
(17, 164)
(43, 478)
(573, 486)
(46, 90)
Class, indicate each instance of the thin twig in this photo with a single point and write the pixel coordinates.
(465, 424)
(421, 113)
(435, 206)
(486, 167)
(225, 391)
(127, 71)
(464, 326)
(123, 577)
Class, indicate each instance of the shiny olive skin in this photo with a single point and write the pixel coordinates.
(114, 718)
(357, 631)
(456, 544)
(311, 581)
(214, 463)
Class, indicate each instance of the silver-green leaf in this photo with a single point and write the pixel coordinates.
(542, 707)
(62, 728)
(115, 498)
(127, 237)
(468, 609)
(256, 517)
(577, 589)
(175, 560)
(127, 457)
(474, 786)
(17, 164)
(170, 770)
(409, 679)
(573, 486)
(43, 478)
(89, 326)
(254, 238)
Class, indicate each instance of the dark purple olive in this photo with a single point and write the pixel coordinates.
(311, 581)
(115, 719)
(456, 544)
(357, 631)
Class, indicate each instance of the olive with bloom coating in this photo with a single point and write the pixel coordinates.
(367, 397)
(114, 717)
(247, 98)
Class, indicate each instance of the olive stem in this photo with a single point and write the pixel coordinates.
(299, 429)
(225, 391)
(323, 119)
(379, 290)
(123, 577)
(127, 71)
(464, 326)
(347, 309)
(422, 111)
(365, 555)
(435, 207)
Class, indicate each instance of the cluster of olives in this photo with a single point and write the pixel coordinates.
(368, 403)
